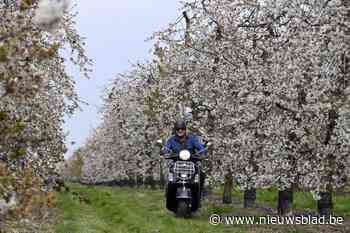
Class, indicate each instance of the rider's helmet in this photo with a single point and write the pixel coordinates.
(179, 124)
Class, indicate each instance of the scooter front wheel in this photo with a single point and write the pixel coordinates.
(183, 209)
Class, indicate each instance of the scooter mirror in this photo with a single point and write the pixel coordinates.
(160, 142)
(209, 144)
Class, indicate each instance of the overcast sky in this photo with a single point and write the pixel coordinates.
(115, 34)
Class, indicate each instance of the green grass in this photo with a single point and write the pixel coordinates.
(125, 210)
(342, 205)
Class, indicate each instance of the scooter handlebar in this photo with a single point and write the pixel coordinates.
(169, 156)
(200, 157)
(173, 156)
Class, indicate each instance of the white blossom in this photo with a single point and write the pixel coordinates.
(49, 13)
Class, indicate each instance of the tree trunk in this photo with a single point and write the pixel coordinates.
(131, 182)
(153, 183)
(249, 198)
(207, 190)
(325, 204)
(285, 201)
(123, 182)
(161, 175)
(139, 181)
(150, 182)
(227, 195)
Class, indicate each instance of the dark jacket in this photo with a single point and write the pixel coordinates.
(192, 144)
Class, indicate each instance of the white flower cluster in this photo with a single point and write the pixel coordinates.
(254, 78)
(36, 92)
(49, 13)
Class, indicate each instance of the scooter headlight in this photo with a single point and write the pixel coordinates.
(185, 155)
(183, 175)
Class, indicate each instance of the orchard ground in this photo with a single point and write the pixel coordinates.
(101, 209)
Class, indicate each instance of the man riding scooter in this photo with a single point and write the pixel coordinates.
(177, 144)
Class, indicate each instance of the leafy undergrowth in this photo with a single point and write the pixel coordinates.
(27, 226)
(98, 209)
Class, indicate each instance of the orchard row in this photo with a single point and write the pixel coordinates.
(267, 82)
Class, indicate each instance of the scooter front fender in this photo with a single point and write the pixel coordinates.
(183, 193)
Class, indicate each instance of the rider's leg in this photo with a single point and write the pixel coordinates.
(170, 196)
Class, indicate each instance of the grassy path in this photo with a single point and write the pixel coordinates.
(123, 210)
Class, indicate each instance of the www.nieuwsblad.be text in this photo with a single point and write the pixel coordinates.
(216, 219)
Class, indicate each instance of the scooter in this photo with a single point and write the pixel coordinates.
(183, 189)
